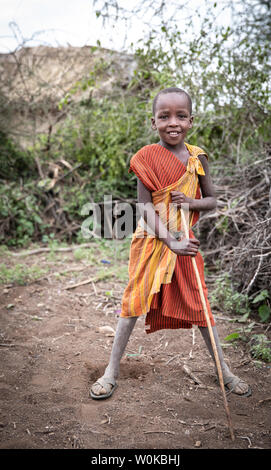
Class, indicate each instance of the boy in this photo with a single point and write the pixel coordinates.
(161, 280)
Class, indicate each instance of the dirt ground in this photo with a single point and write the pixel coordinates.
(52, 351)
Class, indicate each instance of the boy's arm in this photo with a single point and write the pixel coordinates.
(146, 209)
(208, 201)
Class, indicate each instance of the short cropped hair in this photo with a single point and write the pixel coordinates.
(171, 90)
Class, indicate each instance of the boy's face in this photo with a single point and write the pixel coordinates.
(172, 118)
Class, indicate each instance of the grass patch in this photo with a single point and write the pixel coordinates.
(20, 274)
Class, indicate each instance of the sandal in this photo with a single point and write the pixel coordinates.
(232, 382)
(108, 384)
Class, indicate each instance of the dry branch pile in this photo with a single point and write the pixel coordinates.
(238, 234)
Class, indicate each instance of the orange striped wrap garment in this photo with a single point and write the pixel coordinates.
(162, 284)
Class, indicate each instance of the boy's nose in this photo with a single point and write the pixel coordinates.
(173, 121)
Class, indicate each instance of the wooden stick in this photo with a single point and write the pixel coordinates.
(218, 365)
(87, 281)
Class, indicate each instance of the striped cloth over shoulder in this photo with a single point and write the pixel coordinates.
(162, 284)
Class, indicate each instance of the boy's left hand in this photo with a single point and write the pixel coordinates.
(180, 198)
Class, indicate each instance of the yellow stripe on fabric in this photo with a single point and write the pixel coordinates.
(149, 279)
(157, 277)
(136, 276)
(146, 281)
(153, 262)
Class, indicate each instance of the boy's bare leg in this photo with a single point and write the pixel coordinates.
(124, 329)
(241, 387)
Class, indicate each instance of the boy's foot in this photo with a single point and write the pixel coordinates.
(234, 384)
(103, 388)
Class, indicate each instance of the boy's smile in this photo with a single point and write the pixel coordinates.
(172, 118)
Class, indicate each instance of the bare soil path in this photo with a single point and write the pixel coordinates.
(52, 350)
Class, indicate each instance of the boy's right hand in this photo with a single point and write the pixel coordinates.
(185, 247)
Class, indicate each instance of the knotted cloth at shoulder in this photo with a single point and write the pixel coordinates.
(194, 164)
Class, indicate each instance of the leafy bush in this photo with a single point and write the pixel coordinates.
(14, 162)
(262, 300)
(20, 211)
(225, 297)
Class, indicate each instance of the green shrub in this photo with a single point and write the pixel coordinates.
(227, 299)
(260, 347)
(19, 209)
(14, 162)
(262, 300)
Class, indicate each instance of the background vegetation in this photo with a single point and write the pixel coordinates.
(45, 183)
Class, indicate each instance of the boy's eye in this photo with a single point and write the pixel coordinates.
(164, 116)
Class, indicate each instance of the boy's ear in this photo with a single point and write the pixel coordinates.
(153, 125)
(191, 121)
